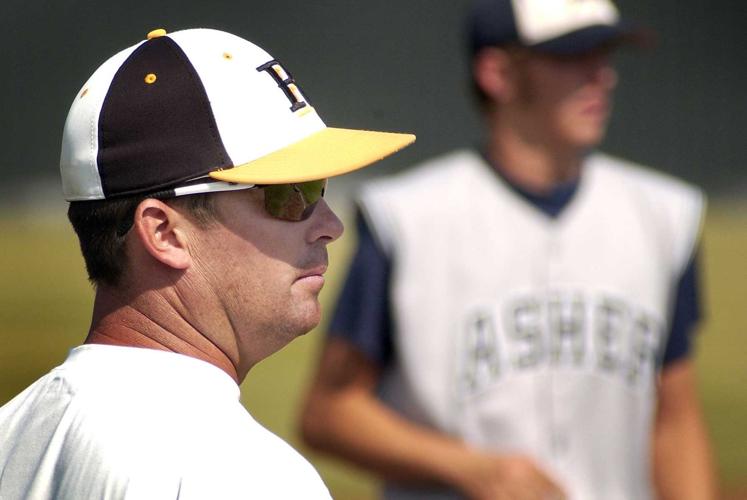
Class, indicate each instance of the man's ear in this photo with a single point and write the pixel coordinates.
(161, 231)
(492, 70)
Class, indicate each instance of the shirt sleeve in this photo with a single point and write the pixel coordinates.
(362, 315)
(686, 314)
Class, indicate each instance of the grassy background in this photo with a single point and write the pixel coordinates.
(45, 304)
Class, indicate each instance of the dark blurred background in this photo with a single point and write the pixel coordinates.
(681, 107)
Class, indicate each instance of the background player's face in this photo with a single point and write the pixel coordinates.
(262, 275)
(565, 100)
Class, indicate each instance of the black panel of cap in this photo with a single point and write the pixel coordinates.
(156, 127)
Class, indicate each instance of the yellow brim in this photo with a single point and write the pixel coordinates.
(327, 153)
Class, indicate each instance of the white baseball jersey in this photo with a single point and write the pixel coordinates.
(529, 334)
(128, 423)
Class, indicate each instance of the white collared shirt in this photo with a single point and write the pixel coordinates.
(123, 422)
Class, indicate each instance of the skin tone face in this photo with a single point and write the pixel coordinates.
(256, 279)
(563, 100)
(544, 112)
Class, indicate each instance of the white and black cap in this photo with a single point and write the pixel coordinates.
(563, 27)
(201, 110)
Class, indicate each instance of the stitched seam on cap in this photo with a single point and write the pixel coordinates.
(217, 139)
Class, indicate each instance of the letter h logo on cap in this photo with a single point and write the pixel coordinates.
(286, 82)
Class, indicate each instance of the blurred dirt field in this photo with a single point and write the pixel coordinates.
(45, 305)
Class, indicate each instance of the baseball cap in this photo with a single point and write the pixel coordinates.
(563, 27)
(205, 108)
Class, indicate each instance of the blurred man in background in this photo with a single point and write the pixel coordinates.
(517, 321)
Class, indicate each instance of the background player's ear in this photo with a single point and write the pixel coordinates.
(492, 69)
(159, 228)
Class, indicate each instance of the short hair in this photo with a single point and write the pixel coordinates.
(102, 227)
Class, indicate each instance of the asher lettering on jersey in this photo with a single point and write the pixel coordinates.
(286, 82)
(593, 333)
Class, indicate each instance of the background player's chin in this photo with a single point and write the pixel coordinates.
(589, 133)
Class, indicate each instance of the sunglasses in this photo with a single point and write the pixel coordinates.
(289, 202)
(293, 202)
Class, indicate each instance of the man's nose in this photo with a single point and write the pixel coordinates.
(602, 71)
(325, 224)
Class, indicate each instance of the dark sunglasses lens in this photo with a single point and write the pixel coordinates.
(293, 202)
(312, 191)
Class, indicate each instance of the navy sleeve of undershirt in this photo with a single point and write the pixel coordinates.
(362, 315)
(686, 314)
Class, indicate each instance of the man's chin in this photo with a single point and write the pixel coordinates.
(311, 318)
(589, 137)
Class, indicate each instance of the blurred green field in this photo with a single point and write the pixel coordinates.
(45, 302)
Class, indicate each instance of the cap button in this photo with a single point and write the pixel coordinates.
(156, 33)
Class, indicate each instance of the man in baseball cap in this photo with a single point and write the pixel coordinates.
(526, 331)
(196, 170)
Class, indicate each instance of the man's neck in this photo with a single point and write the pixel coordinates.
(532, 165)
(136, 324)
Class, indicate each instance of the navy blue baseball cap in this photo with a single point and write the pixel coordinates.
(562, 27)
